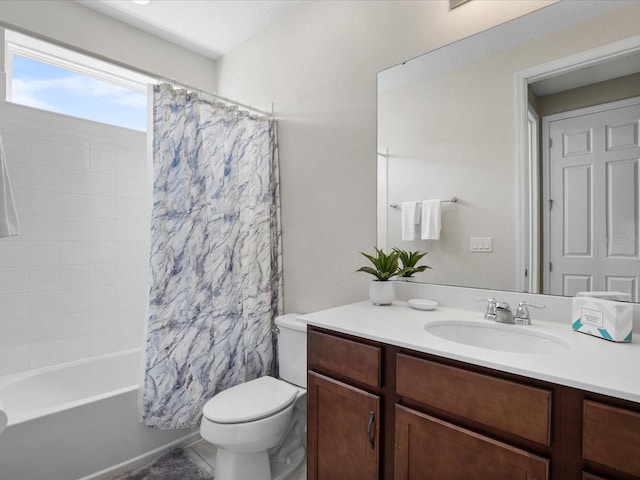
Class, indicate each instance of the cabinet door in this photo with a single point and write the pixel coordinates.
(343, 434)
(611, 436)
(431, 449)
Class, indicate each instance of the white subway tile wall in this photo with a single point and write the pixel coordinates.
(74, 284)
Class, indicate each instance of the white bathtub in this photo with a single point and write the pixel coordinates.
(78, 421)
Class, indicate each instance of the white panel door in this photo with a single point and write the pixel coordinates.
(593, 216)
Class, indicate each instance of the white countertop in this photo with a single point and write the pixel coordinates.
(590, 363)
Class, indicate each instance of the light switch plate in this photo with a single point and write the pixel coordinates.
(481, 244)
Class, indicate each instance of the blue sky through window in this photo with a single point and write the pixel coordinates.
(47, 87)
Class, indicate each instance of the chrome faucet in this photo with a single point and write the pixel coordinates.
(522, 313)
(497, 311)
(503, 313)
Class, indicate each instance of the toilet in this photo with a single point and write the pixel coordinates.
(258, 427)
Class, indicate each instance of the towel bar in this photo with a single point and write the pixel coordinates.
(453, 200)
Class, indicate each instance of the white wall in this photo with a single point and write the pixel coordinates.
(71, 24)
(455, 145)
(74, 283)
(318, 65)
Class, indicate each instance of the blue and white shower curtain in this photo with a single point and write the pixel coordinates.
(216, 279)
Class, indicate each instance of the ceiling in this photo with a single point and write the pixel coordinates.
(208, 27)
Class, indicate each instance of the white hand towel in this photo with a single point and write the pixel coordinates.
(431, 219)
(8, 216)
(408, 220)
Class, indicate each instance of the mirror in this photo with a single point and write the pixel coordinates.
(473, 120)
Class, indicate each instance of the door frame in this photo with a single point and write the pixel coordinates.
(546, 168)
(522, 80)
(533, 233)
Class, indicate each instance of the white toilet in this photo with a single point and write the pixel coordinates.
(258, 427)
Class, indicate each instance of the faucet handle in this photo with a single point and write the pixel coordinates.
(522, 313)
(481, 299)
(492, 305)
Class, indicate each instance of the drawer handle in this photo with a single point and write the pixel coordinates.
(370, 437)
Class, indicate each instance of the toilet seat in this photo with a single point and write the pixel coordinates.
(250, 401)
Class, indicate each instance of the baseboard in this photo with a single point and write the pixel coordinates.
(143, 459)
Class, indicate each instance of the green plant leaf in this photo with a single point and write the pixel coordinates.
(368, 270)
(385, 265)
(408, 261)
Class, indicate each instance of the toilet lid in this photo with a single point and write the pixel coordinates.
(250, 401)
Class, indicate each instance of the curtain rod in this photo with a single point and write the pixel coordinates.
(186, 86)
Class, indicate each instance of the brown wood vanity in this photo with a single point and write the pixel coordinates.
(378, 411)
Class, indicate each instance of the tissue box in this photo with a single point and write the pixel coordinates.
(603, 318)
(608, 295)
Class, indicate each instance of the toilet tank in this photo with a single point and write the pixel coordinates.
(292, 349)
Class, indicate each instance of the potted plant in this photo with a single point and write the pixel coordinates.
(409, 261)
(384, 267)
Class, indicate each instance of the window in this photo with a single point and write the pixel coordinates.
(48, 77)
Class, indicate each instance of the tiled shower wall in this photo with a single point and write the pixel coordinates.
(74, 284)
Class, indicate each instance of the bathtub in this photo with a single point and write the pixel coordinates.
(78, 420)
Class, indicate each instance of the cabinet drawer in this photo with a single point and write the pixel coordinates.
(611, 436)
(508, 406)
(427, 444)
(345, 358)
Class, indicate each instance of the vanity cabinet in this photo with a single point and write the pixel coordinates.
(378, 411)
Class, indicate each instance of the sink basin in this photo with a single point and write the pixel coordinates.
(495, 336)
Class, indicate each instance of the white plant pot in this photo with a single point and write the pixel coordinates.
(381, 292)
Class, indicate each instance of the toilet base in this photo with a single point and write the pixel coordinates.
(282, 470)
(232, 466)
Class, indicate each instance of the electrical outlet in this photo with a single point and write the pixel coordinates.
(481, 244)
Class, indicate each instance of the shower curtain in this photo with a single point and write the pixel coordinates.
(216, 280)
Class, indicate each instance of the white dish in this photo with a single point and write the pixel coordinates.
(423, 304)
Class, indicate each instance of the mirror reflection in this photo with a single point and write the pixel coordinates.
(533, 127)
